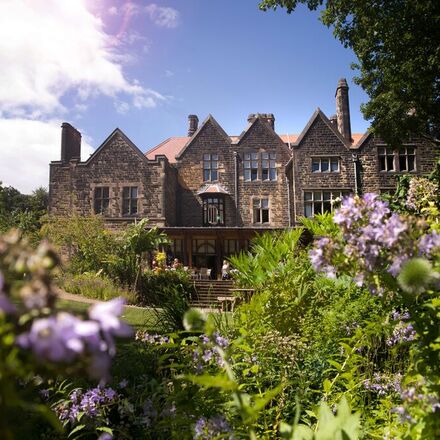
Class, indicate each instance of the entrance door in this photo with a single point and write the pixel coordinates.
(203, 255)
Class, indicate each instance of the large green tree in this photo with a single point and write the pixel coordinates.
(397, 44)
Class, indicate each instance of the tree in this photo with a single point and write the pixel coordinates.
(397, 43)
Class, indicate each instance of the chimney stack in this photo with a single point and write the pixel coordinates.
(193, 124)
(268, 117)
(343, 109)
(70, 143)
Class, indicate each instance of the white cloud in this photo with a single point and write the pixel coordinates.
(163, 16)
(169, 73)
(26, 149)
(121, 107)
(113, 10)
(51, 47)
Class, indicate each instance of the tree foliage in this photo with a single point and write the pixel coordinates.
(397, 43)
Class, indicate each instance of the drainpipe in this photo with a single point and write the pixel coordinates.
(354, 157)
(293, 180)
(236, 186)
(288, 202)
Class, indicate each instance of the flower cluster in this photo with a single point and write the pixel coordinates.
(209, 351)
(211, 428)
(403, 331)
(64, 338)
(372, 239)
(155, 339)
(421, 193)
(92, 403)
(383, 384)
(413, 396)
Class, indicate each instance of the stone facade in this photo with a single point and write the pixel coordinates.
(213, 191)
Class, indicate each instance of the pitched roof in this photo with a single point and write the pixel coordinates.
(212, 188)
(174, 146)
(169, 147)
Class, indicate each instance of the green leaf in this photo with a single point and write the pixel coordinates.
(327, 386)
(76, 429)
(105, 429)
(219, 381)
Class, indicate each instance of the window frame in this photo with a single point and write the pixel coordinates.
(130, 201)
(323, 201)
(207, 203)
(251, 166)
(319, 160)
(259, 211)
(269, 164)
(407, 153)
(210, 167)
(101, 199)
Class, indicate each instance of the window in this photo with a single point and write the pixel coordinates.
(318, 202)
(325, 165)
(210, 167)
(250, 166)
(206, 247)
(386, 159)
(230, 247)
(268, 170)
(401, 160)
(101, 200)
(213, 211)
(129, 200)
(261, 210)
(407, 159)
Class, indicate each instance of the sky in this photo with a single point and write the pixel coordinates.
(145, 66)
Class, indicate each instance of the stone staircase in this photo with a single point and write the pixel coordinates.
(207, 292)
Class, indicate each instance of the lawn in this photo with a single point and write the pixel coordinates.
(139, 318)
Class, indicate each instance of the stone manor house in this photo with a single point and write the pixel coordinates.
(212, 192)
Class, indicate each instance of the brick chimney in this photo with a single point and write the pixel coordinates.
(268, 117)
(343, 109)
(70, 143)
(193, 124)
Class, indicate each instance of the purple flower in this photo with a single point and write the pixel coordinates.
(54, 338)
(211, 428)
(106, 313)
(429, 243)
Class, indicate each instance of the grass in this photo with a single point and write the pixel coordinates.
(139, 318)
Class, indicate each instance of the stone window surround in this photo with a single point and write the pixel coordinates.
(256, 156)
(261, 208)
(104, 205)
(329, 157)
(130, 199)
(219, 205)
(115, 206)
(338, 192)
(396, 155)
(211, 168)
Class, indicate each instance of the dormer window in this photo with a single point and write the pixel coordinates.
(210, 167)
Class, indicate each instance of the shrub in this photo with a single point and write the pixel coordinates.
(94, 286)
(171, 290)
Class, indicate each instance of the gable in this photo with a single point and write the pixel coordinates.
(260, 134)
(209, 134)
(117, 148)
(319, 130)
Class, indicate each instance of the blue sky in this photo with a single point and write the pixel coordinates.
(144, 66)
